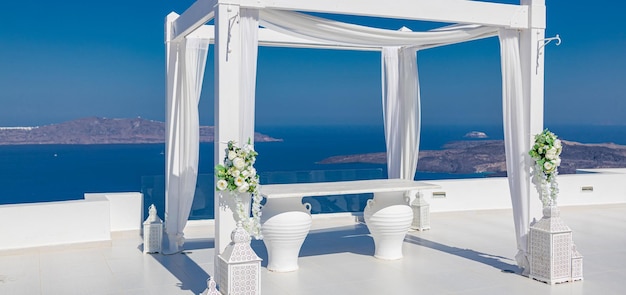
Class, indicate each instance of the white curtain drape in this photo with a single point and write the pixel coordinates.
(249, 22)
(516, 140)
(401, 111)
(325, 30)
(183, 137)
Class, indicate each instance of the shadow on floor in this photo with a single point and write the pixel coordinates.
(196, 244)
(353, 239)
(356, 239)
(191, 276)
(491, 260)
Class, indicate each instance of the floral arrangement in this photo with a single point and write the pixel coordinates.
(546, 152)
(238, 175)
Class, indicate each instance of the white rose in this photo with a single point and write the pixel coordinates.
(548, 166)
(239, 181)
(558, 162)
(243, 188)
(551, 154)
(252, 171)
(245, 173)
(222, 184)
(239, 163)
(254, 181)
(234, 172)
(231, 155)
(557, 144)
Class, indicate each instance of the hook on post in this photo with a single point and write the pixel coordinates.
(541, 43)
(544, 42)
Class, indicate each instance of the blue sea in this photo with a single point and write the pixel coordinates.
(39, 173)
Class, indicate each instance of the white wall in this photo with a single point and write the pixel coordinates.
(54, 223)
(609, 187)
(68, 222)
(126, 209)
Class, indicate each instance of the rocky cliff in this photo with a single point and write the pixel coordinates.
(95, 130)
(487, 156)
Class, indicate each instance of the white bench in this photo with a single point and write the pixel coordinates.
(286, 221)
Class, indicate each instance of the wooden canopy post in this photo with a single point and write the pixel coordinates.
(228, 103)
(533, 79)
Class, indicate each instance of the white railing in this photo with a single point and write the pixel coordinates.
(94, 218)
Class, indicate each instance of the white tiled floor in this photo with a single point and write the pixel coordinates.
(463, 253)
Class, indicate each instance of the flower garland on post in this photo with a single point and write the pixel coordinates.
(238, 175)
(546, 152)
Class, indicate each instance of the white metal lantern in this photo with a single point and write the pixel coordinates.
(577, 265)
(152, 232)
(211, 288)
(239, 267)
(421, 213)
(550, 249)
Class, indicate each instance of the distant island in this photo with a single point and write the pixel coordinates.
(474, 155)
(487, 156)
(476, 134)
(97, 130)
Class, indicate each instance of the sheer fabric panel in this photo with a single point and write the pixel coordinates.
(401, 111)
(249, 22)
(183, 138)
(325, 30)
(516, 140)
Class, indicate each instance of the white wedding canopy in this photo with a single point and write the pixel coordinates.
(243, 25)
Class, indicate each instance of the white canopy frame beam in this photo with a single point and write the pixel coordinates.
(445, 11)
(198, 14)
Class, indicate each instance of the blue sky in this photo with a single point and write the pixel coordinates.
(70, 59)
